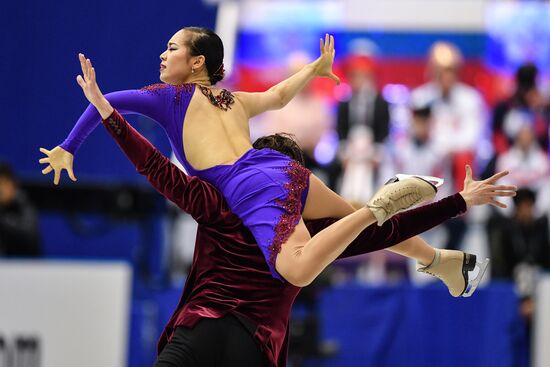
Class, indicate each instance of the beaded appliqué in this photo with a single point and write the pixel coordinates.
(180, 89)
(299, 180)
(224, 100)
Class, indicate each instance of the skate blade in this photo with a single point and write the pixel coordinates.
(436, 181)
(472, 284)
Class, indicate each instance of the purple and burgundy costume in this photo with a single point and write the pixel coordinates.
(229, 273)
(264, 188)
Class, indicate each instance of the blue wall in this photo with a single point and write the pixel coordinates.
(40, 98)
(411, 326)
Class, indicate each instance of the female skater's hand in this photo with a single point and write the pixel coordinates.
(87, 82)
(323, 65)
(486, 191)
(57, 160)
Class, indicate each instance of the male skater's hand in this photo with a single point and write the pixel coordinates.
(87, 82)
(323, 65)
(57, 160)
(486, 191)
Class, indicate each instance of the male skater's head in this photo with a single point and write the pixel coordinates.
(283, 143)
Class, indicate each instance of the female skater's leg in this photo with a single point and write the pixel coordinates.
(322, 202)
(302, 258)
(415, 248)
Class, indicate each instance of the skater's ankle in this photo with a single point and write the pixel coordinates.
(430, 261)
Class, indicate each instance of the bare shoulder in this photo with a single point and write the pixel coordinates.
(245, 100)
(242, 97)
(255, 103)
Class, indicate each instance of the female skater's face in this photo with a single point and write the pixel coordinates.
(176, 62)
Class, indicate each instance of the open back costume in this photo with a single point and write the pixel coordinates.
(264, 188)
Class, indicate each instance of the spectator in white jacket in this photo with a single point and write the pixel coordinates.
(458, 110)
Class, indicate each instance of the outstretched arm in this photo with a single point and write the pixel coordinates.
(279, 95)
(157, 104)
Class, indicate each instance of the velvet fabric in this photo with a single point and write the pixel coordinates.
(229, 273)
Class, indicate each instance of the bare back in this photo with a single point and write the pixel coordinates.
(212, 136)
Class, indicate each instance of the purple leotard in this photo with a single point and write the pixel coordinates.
(264, 188)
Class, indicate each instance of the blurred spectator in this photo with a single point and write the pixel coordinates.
(364, 118)
(520, 247)
(526, 161)
(366, 107)
(18, 220)
(359, 160)
(525, 106)
(458, 110)
(417, 153)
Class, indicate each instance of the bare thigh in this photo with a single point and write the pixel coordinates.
(291, 250)
(322, 202)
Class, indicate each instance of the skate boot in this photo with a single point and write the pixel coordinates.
(453, 268)
(398, 195)
(436, 181)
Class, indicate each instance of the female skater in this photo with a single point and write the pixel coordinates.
(208, 131)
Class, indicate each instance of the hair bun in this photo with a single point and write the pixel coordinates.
(215, 78)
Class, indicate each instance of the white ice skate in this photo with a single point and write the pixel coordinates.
(399, 194)
(436, 181)
(454, 269)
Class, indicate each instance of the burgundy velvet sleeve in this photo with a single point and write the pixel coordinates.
(194, 196)
(400, 227)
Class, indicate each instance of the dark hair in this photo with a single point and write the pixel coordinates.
(422, 111)
(207, 43)
(526, 80)
(526, 75)
(525, 194)
(281, 142)
(6, 171)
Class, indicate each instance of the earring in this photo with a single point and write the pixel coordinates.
(192, 71)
